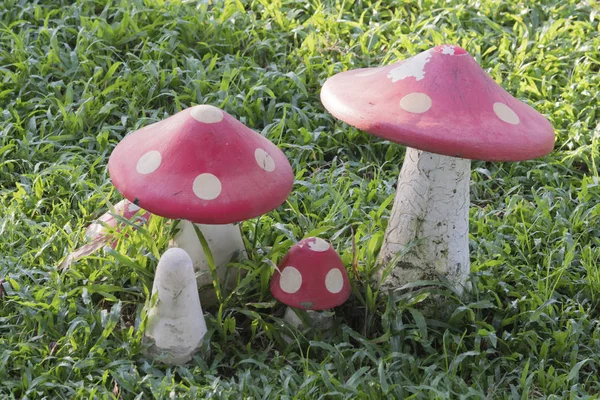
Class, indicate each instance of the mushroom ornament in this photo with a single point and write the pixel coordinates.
(310, 277)
(447, 110)
(203, 166)
(175, 326)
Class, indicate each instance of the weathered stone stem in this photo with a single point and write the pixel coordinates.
(175, 325)
(431, 211)
(225, 243)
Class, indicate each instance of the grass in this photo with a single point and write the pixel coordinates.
(75, 78)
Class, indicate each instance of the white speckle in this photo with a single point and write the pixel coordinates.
(93, 231)
(334, 281)
(448, 50)
(368, 71)
(290, 280)
(264, 160)
(318, 245)
(416, 103)
(506, 114)
(207, 186)
(132, 207)
(414, 67)
(149, 162)
(206, 114)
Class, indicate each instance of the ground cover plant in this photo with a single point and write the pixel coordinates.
(76, 77)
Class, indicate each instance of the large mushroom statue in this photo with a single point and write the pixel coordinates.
(448, 111)
(204, 167)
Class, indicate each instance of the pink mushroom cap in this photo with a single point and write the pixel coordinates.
(202, 165)
(311, 277)
(440, 101)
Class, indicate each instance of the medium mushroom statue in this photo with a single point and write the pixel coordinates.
(448, 111)
(203, 166)
(310, 277)
(175, 325)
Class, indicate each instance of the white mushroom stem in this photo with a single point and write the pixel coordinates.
(318, 319)
(175, 325)
(225, 243)
(430, 213)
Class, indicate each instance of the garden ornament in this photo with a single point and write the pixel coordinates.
(175, 322)
(310, 277)
(447, 111)
(203, 166)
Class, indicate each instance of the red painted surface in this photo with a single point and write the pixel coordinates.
(460, 120)
(313, 267)
(189, 148)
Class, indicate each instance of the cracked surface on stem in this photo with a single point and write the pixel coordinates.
(431, 211)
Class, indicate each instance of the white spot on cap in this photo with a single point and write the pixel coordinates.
(506, 114)
(290, 280)
(414, 67)
(149, 162)
(334, 281)
(207, 186)
(207, 114)
(132, 207)
(368, 71)
(264, 160)
(318, 245)
(448, 50)
(416, 103)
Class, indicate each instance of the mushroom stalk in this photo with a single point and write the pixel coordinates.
(175, 325)
(225, 243)
(431, 212)
(321, 319)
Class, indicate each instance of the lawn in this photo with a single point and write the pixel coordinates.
(75, 78)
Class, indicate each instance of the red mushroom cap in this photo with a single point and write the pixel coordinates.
(202, 165)
(440, 101)
(124, 208)
(311, 276)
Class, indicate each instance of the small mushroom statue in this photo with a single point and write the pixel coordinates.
(448, 111)
(206, 168)
(310, 277)
(175, 325)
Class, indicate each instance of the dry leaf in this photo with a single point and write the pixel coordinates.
(83, 251)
